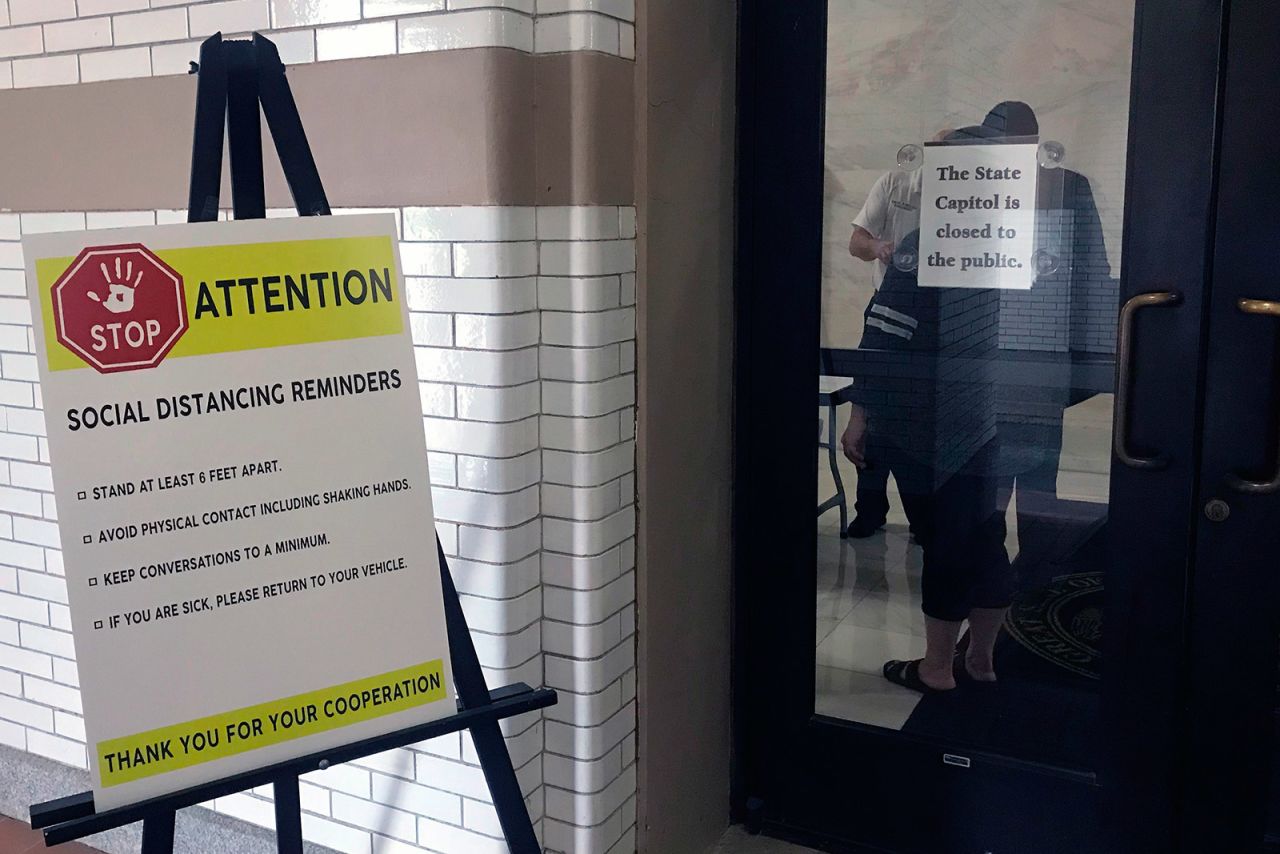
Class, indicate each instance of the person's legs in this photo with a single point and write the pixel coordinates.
(919, 511)
(984, 628)
(945, 583)
(966, 572)
(939, 652)
(944, 613)
(993, 577)
(872, 505)
(1039, 447)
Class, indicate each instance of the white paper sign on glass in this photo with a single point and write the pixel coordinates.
(241, 477)
(977, 216)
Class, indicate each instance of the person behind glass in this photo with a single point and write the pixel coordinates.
(891, 210)
(926, 413)
(1059, 306)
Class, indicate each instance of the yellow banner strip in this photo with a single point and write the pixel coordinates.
(229, 308)
(159, 751)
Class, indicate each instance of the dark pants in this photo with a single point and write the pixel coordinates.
(960, 527)
(873, 492)
(1032, 453)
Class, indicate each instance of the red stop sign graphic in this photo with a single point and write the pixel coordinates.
(120, 308)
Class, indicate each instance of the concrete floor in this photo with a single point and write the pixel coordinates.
(738, 841)
(17, 838)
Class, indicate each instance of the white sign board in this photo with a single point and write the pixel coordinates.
(977, 216)
(241, 479)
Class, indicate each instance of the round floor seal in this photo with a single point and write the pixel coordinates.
(1061, 622)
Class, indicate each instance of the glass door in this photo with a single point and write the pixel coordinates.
(1233, 769)
(990, 225)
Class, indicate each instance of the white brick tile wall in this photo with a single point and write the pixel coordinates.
(162, 25)
(176, 58)
(247, 807)
(46, 71)
(502, 581)
(297, 46)
(588, 399)
(343, 778)
(469, 223)
(307, 13)
(48, 640)
(587, 710)
(115, 64)
(481, 296)
(579, 294)
(477, 367)
(526, 6)
(587, 330)
(377, 38)
(495, 260)
(387, 8)
(527, 369)
(34, 11)
(578, 223)
(229, 16)
(397, 762)
(426, 259)
(314, 798)
(500, 332)
(578, 434)
(38, 223)
(21, 41)
(432, 330)
(498, 475)
(569, 502)
(340, 837)
(444, 837)
(587, 469)
(511, 403)
(106, 7)
(473, 28)
(77, 35)
(587, 258)
(624, 10)
(121, 219)
(56, 747)
(577, 31)
(502, 616)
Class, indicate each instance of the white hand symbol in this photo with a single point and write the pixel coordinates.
(120, 292)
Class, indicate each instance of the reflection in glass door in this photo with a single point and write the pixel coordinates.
(991, 222)
(973, 209)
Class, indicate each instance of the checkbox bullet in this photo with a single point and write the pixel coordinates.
(93, 582)
(97, 624)
(82, 495)
(88, 538)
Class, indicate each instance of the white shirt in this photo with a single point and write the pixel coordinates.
(892, 210)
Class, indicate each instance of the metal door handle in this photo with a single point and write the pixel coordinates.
(1124, 379)
(1257, 487)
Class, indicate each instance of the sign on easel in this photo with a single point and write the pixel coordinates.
(240, 470)
(978, 216)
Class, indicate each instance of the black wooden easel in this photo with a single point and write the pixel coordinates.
(235, 77)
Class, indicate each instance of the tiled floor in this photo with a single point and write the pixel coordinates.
(868, 603)
(738, 841)
(868, 612)
(17, 838)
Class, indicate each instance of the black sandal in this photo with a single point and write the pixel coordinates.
(907, 674)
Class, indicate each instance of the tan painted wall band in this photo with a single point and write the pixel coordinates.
(485, 126)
